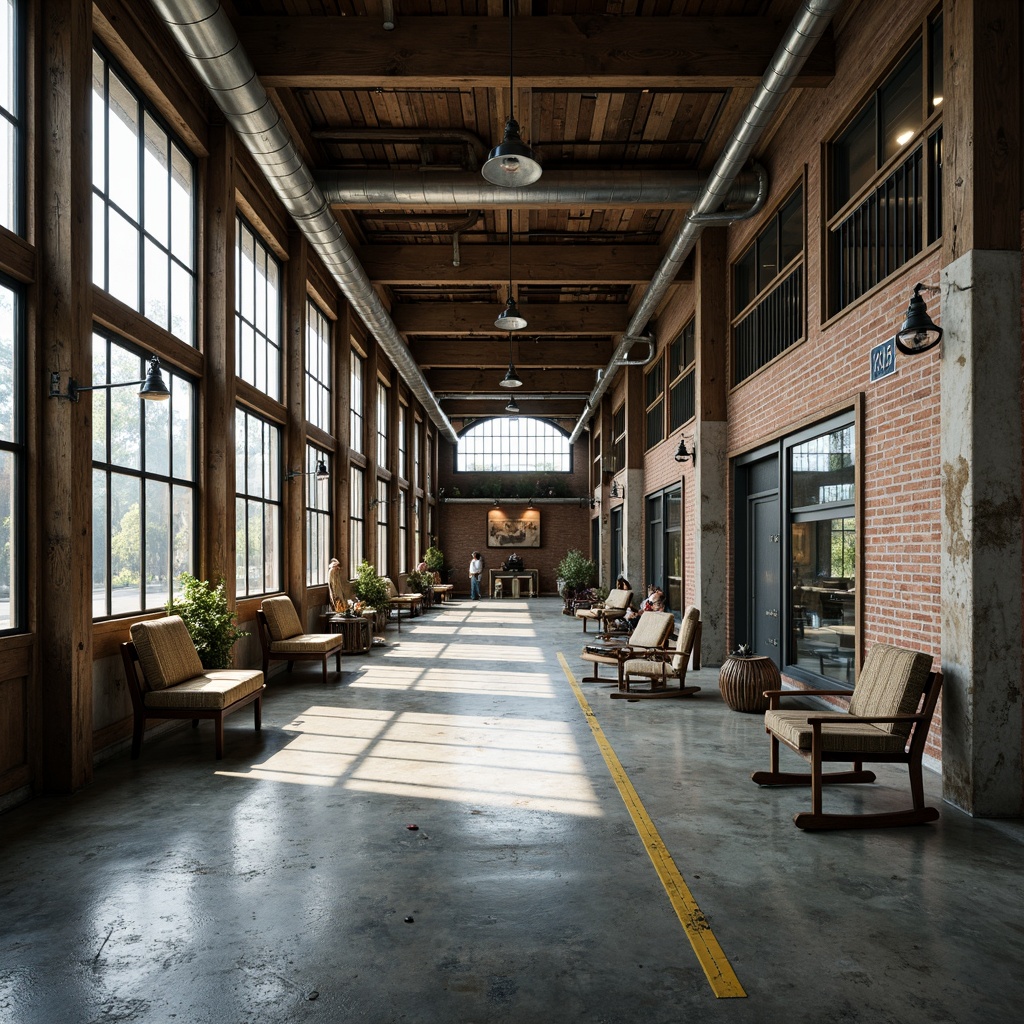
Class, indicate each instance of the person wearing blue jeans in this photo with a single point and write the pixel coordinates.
(476, 567)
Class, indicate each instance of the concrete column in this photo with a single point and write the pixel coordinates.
(710, 554)
(981, 533)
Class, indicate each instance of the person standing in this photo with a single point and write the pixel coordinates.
(476, 568)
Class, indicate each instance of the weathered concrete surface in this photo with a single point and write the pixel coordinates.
(710, 555)
(981, 534)
(178, 889)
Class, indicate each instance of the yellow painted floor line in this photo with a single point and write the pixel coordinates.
(713, 960)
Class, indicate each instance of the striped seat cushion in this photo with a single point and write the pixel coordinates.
(891, 683)
(791, 727)
(650, 668)
(165, 651)
(308, 643)
(212, 690)
(282, 618)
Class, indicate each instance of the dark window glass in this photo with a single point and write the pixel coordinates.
(768, 254)
(744, 280)
(791, 229)
(853, 157)
(822, 470)
(899, 105)
(936, 75)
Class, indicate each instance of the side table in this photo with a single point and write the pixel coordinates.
(743, 678)
(356, 631)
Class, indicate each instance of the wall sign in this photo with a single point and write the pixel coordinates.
(883, 360)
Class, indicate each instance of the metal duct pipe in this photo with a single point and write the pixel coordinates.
(804, 32)
(211, 45)
(556, 188)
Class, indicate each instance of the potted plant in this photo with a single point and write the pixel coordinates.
(434, 557)
(371, 589)
(210, 623)
(575, 572)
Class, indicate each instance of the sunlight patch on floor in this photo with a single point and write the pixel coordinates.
(482, 653)
(462, 681)
(462, 758)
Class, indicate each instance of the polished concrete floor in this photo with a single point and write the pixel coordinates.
(285, 884)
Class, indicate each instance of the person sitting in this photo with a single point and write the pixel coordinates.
(654, 602)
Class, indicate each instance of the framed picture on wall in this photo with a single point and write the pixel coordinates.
(521, 531)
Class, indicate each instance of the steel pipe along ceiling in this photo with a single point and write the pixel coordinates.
(555, 188)
(207, 38)
(803, 34)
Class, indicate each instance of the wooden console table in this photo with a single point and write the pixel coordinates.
(512, 582)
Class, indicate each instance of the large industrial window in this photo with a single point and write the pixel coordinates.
(768, 291)
(403, 534)
(318, 367)
(403, 454)
(355, 403)
(524, 445)
(12, 89)
(257, 505)
(144, 205)
(823, 553)
(143, 485)
(885, 201)
(356, 518)
(382, 527)
(664, 547)
(257, 312)
(318, 518)
(681, 375)
(382, 424)
(618, 439)
(12, 458)
(654, 400)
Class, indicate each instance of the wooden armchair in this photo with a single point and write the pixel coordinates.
(659, 666)
(411, 604)
(652, 631)
(614, 606)
(282, 637)
(166, 679)
(890, 711)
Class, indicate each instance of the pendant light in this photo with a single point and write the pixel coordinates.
(511, 319)
(511, 163)
(511, 379)
(513, 409)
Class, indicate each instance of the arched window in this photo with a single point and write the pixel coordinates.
(521, 445)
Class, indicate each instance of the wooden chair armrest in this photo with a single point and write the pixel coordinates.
(775, 696)
(866, 719)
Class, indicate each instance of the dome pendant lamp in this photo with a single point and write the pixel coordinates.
(511, 163)
(511, 378)
(510, 319)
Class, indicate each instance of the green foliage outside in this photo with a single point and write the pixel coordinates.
(210, 622)
(371, 589)
(575, 570)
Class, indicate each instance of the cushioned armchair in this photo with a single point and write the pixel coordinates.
(652, 631)
(614, 606)
(282, 637)
(166, 679)
(659, 666)
(411, 604)
(889, 714)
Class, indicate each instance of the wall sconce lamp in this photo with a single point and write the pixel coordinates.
(586, 502)
(918, 333)
(618, 490)
(153, 387)
(684, 454)
(320, 472)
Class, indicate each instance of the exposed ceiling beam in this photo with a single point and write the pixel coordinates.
(477, 318)
(542, 382)
(553, 52)
(528, 353)
(532, 264)
(566, 409)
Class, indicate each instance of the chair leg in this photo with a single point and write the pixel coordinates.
(257, 713)
(218, 725)
(138, 729)
(324, 667)
(195, 723)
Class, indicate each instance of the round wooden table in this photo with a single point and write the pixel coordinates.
(743, 679)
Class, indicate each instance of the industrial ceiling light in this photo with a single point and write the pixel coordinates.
(512, 409)
(153, 387)
(918, 333)
(511, 319)
(511, 378)
(511, 163)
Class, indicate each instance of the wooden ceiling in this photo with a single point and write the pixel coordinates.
(600, 86)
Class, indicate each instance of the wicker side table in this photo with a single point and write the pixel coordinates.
(743, 679)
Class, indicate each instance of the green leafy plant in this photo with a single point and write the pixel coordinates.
(576, 571)
(211, 624)
(371, 589)
(434, 557)
(419, 582)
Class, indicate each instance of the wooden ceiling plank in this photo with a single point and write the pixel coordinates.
(552, 52)
(486, 380)
(564, 355)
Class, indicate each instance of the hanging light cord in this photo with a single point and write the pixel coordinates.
(509, 216)
(511, 77)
